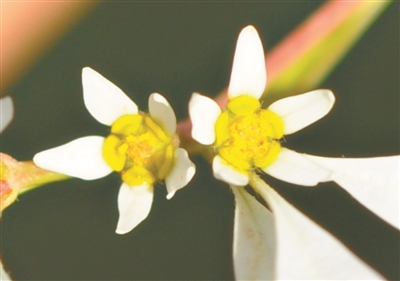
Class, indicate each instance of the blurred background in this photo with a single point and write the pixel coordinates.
(66, 230)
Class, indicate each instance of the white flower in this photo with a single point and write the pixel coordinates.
(6, 112)
(246, 139)
(142, 147)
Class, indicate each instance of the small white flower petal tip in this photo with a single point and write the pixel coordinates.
(134, 205)
(249, 75)
(162, 111)
(80, 158)
(203, 112)
(104, 100)
(182, 173)
(6, 112)
(298, 112)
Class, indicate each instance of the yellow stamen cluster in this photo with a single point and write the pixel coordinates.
(247, 136)
(140, 149)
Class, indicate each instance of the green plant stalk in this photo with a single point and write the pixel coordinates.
(314, 62)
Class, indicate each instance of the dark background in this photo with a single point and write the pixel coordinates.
(65, 230)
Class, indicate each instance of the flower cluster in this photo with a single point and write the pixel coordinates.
(246, 138)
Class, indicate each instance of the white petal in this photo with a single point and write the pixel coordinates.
(249, 75)
(296, 168)
(134, 205)
(105, 101)
(80, 158)
(203, 112)
(253, 239)
(3, 275)
(227, 174)
(6, 112)
(161, 110)
(181, 174)
(305, 251)
(374, 182)
(300, 111)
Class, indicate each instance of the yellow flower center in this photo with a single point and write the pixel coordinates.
(140, 149)
(247, 136)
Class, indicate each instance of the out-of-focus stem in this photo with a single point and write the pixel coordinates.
(307, 55)
(28, 28)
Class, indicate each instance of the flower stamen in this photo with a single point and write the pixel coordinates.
(247, 136)
(141, 149)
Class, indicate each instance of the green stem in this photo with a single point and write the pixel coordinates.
(19, 177)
